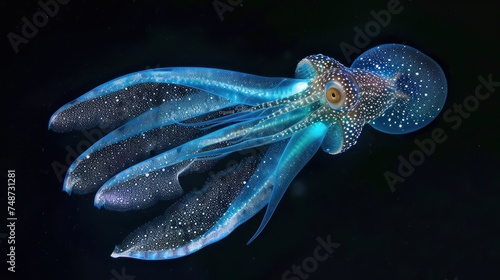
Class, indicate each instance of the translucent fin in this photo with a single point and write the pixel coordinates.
(419, 84)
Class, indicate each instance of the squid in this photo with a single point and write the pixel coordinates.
(172, 122)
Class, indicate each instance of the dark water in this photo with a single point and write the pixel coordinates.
(442, 222)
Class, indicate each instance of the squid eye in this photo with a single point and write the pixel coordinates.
(335, 95)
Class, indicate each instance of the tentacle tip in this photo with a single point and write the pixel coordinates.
(67, 189)
(251, 240)
(53, 122)
(255, 235)
(98, 202)
(116, 253)
(99, 199)
(68, 183)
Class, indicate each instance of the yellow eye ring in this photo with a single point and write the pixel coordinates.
(333, 95)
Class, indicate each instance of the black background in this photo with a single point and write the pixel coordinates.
(441, 223)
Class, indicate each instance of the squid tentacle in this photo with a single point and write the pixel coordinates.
(299, 150)
(201, 218)
(207, 146)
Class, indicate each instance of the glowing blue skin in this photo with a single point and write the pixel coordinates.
(177, 121)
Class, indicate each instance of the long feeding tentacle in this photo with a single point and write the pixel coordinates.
(301, 147)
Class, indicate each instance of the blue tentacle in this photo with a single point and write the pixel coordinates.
(299, 150)
(152, 103)
(210, 146)
(201, 218)
(238, 87)
(153, 132)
